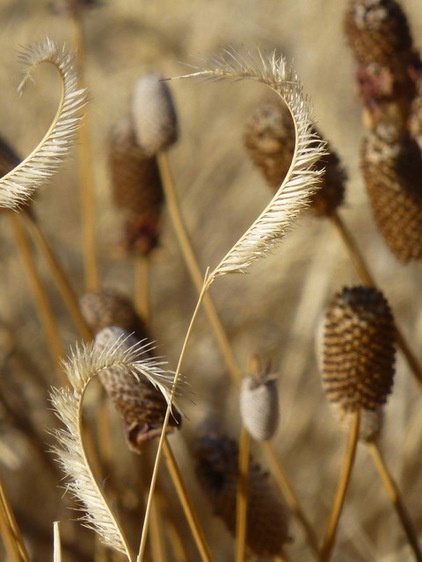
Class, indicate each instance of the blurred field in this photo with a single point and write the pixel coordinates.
(273, 311)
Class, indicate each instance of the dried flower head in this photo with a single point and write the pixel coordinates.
(110, 308)
(137, 189)
(259, 402)
(141, 404)
(358, 356)
(270, 141)
(391, 163)
(154, 114)
(216, 461)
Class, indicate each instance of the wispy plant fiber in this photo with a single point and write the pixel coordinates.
(17, 187)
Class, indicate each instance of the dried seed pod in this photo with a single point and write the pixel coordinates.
(358, 356)
(109, 308)
(154, 114)
(140, 404)
(392, 167)
(137, 189)
(216, 461)
(270, 140)
(259, 402)
(378, 31)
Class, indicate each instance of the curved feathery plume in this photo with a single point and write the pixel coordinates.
(85, 362)
(302, 178)
(17, 187)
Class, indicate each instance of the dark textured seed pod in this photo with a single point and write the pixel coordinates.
(139, 403)
(259, 402)
(216, 460)
(106, 308)
(270, 139)
(154, 114)
(378, 32)
(392, 167)
(358, 356)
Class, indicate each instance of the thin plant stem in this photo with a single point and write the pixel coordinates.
(60, 277)
(12, 537)
(289, 495)
(85, 170)
(192, 265)
(57, 548)
(158, 550)
(367, 278)
(144, 534)
(395, 498)
(183, 496)
(242, 495)
(142, 297)
(343, 484)
(40, 296)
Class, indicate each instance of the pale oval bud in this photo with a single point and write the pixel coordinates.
(259, 405)
(154, 114)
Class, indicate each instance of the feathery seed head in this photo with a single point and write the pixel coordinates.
(259, 402)
(109, 308)
(217, 472)
(391, 163)
(141, 405)
(270, 141)
(154, 114)
(358, 356)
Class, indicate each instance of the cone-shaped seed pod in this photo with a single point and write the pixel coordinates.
(216, 461)
(259, 402)
(358, 356)
(154, 114)
(109, 308)
(377, 31)
(270, 139)
(140, 404)
(392, 167)
(137, 189)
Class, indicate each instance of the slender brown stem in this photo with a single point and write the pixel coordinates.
(157, 542)
(366, 278)
(40, 296)
(242, 495)
(289, 495)
(60, 277)
(142, 298)
(330, 534)
(85, 170)
(12, 537)
(191, 517)
(395, 498)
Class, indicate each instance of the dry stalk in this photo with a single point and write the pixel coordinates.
(10, 531)
(242, 495)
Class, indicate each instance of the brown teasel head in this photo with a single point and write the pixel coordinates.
(358, 356)
(258, 400)
(216, 467)
(141, 405)
(105, 308)
(137, 189)
(270, 140)
(391, 164)
(154, 114)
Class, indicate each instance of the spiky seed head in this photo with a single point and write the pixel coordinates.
(105, 308)
(378, 32)
(270, 140)
(391, 163)
(216, 460)
(154, 114)
(259, 402)
(358, 356)
(141, 405)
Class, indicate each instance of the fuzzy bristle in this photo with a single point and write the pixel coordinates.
(217, 472)
(358, 353)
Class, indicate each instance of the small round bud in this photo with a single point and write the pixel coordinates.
(154, 114)
(358, 356)
(259, 403)
(216, 461)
